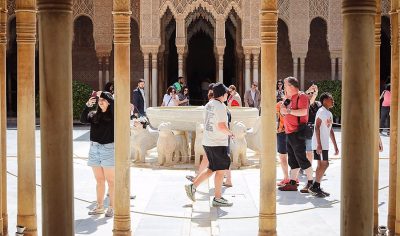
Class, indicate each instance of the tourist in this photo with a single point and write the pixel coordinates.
(281, 143)
(215, 142)
(139, 100)
(184, 95)
(252, 97)
(179, 84)
(205, 84)
(312, 94)
(295, 110)
(280, 91)
(171, 98)
(101, 153)
(385, 109)
(320, 142)
(234, 99)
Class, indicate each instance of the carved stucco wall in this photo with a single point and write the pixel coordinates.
(335, 27)
(83, 7)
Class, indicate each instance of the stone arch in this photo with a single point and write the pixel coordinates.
(200, 20)
(233, 6)
(168, 6)
(83, 14)
(84, 59)
(200, 12)
(317, 62)
(83, 7)
(285, 57)
(207, 7)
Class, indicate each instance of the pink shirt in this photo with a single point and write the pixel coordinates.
(386, 99)
(291, 121)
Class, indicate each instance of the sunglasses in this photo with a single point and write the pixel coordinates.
(310, 93)
(186, 90)
(280, 84)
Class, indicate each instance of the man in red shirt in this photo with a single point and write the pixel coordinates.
(295, 113)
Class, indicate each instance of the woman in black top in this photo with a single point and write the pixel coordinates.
(101, 154)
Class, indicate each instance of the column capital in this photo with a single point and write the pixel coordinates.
(26, 24)
(101, 54)
(122, 27)
(3, 23)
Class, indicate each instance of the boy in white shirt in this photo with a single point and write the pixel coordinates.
(320, 142)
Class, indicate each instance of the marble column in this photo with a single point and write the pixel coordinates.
(295, 67)
(268, 27)
(302, 66)
(26, 153)
(340, 68)
(247, 71)
(377, 42)
(180, 64)
(154, 79)
(394, 19)
(221, 68)
(255, 65)
(333, 68)
(107, 67)
(55, 35)
(146, 75)
(122, 43)
(3, 119)
(357, 136)
(100, 60)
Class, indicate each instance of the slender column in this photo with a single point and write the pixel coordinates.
(3, 120)
(376, 116)
(122, 41)
(255, 65)
(333, 68)
(221, 68)
(358, 137)
(55, 35)
(394, 18)
(269, 38)
(339, 68)
(180, 61)
(147, 76)
(107, 66)
(26, 40)
(247, 71)
(100, 72)
(295, 66)
(302, 65)
(154, 79)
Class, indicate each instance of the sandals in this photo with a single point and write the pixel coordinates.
(227, 185)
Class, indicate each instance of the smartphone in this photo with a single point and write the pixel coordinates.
(94, 94)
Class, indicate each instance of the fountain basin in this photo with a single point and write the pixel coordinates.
(185, 117)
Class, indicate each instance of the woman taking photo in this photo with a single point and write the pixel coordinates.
(101, 153)
(171, 98)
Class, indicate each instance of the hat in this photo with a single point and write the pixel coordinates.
(107, 96)
(219, 90)
(210, 86)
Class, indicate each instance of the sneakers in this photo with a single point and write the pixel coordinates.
(109, 212)
(318, 192)
(288, 187)
(190, 178)
(306, 188)
(221, 202)
(283, 182)
(97, 210)
(190, 191)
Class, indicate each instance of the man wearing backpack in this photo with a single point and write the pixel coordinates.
(179, 84)
(312, 94)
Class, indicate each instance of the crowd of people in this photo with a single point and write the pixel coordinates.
(304, 127)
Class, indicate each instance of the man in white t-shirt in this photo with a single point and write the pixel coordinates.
(215, 143)
(320, 142)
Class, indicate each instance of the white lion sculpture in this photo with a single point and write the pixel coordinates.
(198, 147)
(166, 144)
(181, 149)
(253, 137)
(238, 145)
(142, 140)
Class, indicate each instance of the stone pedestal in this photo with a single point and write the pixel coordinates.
(122, 217)
(268, 26)
(358, 137)
(26, 40)
(55, 35)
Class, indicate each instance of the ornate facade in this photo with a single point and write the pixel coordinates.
(217, 40)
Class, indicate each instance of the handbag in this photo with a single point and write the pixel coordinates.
(305, 131)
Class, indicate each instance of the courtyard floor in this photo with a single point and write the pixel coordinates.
(162, 208)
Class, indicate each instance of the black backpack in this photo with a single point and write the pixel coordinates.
(312, 111)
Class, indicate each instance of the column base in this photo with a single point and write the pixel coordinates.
(122, 233)
(5, 223)
(267, 233)
(28, 221)
(122, 225)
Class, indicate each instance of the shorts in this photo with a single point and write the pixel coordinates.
(296, 148)
(281, 142)
(324, 157)
(218, 157)
(101, 155)
(309, 145)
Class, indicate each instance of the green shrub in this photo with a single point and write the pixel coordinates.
(333, 87)
(80, 94)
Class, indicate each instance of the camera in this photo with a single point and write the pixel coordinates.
(286, 102)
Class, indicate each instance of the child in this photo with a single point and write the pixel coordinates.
(320, 142)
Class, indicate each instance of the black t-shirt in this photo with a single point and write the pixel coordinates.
(101, 130)
(312, 112)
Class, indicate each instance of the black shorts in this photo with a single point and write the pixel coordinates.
(218, 157)
(323, 157)
(296, 148)
(281, 142)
